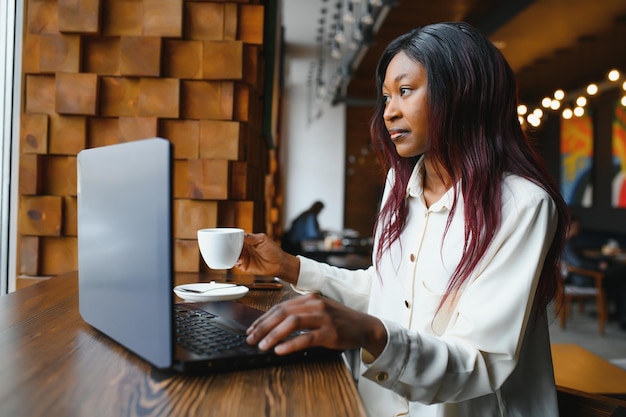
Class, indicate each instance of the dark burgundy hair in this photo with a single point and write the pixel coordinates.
(475, 136)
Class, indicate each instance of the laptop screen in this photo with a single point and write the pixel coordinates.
(125, 245)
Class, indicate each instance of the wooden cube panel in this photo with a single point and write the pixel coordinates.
(30, 54)
(42, 16)
(40, 215)
(191, 215)
(220, 140)
(103, 132)
(58, 255)
(140, 56)
(204, 21)
(119, 96)
(40, 94)
(101, 55)
(163, 18)
(29, 255)
(182, 59)
(222, 60)
(208, 179)
(251, 71)
(181, 173)
(237, 214)
(134, 128)
(242, 104)
(247, 182)
(122, 17)
(76, 93)
(207, 100)
(184, 135)
(70, 216)
(251, 18)
(186, 256)
(231, 11)
(30, 174)
(159, 97)
(68, 134)
(34, 133)
(59, 174)
(59, 53)
(79, 16)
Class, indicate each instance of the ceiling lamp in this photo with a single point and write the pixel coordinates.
(343, 38)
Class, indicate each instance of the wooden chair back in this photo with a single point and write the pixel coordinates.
(567, 294)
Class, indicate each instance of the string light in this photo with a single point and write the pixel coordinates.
(578, 99)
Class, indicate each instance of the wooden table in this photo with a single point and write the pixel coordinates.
(53, 364)
(579, 369)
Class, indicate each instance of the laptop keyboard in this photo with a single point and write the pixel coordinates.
(195, 332)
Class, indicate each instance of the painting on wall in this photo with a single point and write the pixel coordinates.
(619, 157)
(577, 160)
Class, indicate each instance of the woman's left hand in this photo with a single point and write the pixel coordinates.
(324, 322)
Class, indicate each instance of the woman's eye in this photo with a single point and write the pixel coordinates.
(403, 90)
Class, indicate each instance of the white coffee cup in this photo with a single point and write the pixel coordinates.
(220, 247)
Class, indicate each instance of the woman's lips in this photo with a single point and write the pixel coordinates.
(396, 134)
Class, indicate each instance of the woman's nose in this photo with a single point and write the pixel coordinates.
(391, 111)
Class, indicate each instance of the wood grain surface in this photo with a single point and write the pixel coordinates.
(53, 364)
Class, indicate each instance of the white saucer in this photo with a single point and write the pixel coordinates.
(216, 291)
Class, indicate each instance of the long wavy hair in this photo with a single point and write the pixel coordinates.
(475, 136)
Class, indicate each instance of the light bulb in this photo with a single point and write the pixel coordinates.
(579, 111)
(522, 109)
(581, 101)
(613, 75)
(559, 94)
(592, 89)
(546, 102)
(567, 113)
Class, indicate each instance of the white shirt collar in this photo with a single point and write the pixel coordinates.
(415, 188)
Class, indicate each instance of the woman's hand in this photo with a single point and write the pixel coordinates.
(262, 256)
(324, 323)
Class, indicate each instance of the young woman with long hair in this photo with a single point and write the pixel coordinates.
(451, 318)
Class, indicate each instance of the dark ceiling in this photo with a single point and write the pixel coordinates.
(550, 44)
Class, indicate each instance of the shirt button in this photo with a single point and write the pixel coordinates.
(406, 303)
(412, 257)
(381, 376)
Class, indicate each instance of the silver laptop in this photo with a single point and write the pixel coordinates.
(125, 268)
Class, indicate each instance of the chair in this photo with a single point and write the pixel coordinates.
(574, 403)
(570, 293)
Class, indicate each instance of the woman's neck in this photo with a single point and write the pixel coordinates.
(436, 181)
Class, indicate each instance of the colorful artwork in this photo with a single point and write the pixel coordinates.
(577, 160)
(619, 157)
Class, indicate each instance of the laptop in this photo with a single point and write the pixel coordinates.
(125, 268)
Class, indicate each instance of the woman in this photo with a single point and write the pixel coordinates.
(451, 318)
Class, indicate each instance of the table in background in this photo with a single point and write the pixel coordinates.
(349, 253)
(579, 369)
(53, 364)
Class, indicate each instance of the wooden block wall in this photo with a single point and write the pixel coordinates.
(100, 72)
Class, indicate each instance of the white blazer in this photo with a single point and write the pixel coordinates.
(487, 352)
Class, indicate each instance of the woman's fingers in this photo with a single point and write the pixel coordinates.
(295, 325)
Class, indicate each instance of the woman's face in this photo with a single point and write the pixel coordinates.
(405, 91)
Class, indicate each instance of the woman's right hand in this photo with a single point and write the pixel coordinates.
(262, 256)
